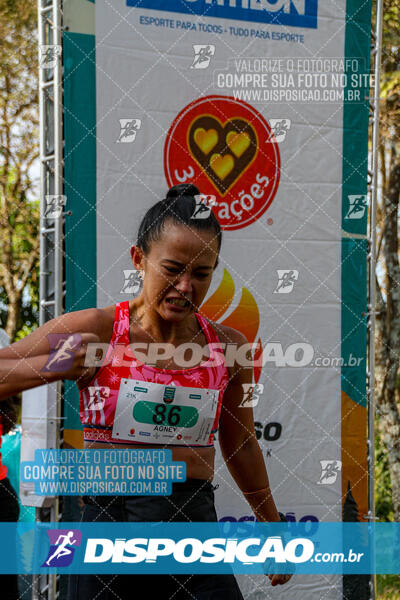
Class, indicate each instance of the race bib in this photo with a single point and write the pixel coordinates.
(164, 414)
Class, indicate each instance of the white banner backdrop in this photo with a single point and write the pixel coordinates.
(176, 101)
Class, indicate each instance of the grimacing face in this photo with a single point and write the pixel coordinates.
(177, 270)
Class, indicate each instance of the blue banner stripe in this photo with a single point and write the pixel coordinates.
(294, 13)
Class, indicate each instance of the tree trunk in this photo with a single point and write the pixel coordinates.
(390, 417)
(12, 316)
(381, 345)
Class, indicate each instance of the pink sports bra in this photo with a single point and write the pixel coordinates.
(97, 402)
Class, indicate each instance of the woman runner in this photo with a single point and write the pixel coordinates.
(176, 256)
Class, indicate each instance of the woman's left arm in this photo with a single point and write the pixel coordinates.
(238, 442)
(240, 448)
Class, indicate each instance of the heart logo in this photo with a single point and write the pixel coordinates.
(222, 165)
(226, 148)
(205, 140)
(223, 150)
(238, 142)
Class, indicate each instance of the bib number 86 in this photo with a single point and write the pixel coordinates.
(163, 413)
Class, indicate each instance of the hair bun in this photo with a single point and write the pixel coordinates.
(182, 190)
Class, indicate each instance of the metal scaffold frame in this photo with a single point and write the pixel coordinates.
(51, 231)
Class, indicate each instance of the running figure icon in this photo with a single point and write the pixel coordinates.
(62, 351)
(62, 550)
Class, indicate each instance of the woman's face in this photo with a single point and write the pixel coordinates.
(177, 270)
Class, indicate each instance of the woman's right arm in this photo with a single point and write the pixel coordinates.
(54, 351)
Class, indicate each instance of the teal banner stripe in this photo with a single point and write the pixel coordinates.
(355, 114)
(354, 250)
(80, 186)
(354, 324)
(355, 166)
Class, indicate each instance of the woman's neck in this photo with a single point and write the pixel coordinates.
(158, 328)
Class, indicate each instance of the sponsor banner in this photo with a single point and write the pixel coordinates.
(261, 548)
(295, 13)
(202, 91)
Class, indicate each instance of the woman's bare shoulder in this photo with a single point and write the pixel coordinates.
(229, 335)
(100, 321)
(91, 319)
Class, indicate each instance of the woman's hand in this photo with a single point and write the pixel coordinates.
(82, 369)
(279, 579)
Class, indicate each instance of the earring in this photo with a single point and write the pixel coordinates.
(141, 274)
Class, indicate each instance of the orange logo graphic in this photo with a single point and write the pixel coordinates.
(245, 318)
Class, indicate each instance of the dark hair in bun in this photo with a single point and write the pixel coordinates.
(179, 207)
(183, 190)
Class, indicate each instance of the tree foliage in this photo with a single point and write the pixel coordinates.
(19, 151)
(387, 438)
